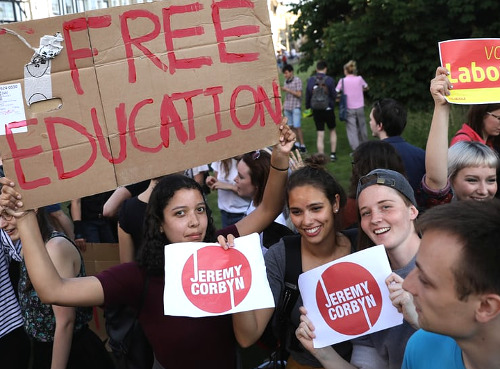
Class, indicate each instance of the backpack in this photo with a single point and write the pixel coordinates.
(277, 337)
(319, 98)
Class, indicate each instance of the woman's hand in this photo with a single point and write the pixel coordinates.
(296, 161)
(287, 138)
(10, 199)
(226, 243)
(326, 355)
(440, 86)
(401, 299)
(305, 331)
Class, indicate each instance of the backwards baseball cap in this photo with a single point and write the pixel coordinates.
(389, 178)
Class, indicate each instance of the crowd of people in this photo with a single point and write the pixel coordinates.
(434, 211)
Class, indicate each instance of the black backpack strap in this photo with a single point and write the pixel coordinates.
(293, 268)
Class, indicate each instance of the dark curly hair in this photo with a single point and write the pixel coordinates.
(314, 174)
(151, 254)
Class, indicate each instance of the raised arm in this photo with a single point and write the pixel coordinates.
(273, 199)
(51, 288)
(436, 154)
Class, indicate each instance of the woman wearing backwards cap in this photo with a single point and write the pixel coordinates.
(387, 210)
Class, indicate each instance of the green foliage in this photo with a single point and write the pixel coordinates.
(394, 42)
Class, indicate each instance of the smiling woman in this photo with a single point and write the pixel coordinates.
(315, 199)
(467, 170)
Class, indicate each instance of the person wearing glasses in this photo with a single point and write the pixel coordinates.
(483, 125)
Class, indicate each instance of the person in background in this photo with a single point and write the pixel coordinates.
(387, 122)
(111, 207)
(60, 335)
(60, 220)
(326, 116)
(483, 125)
(232, 207)
(89, 223)
(253, 172)
(354, 87)
(293, 103)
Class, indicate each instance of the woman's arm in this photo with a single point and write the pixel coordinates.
(112, 205)
(248, 326)
(51, 288)
(65, 258)
(436, 154)
(76, 215)
(274, 198)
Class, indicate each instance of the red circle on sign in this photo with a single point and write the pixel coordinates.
(215, 280)
(349, 299)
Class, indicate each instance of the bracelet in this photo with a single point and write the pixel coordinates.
(279, 169)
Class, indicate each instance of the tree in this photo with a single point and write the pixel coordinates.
(394, 42)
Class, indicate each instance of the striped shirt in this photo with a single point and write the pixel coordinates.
(10, 312)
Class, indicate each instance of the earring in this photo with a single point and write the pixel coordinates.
(336, 211)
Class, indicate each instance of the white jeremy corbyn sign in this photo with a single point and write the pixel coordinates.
(348, 298)
(203, 279)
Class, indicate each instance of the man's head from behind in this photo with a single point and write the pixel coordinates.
(387, 118)
(321, 66)
(456, 283)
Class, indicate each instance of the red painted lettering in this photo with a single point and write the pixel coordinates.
(188, 98)
(232, 107)
(132, 130)
(121, 121)
(54, 143)
(18, 154)
(215, 92)
(169, 118)
(238, 31)
(186, 63)
(76, 25)
(137, 42)
(264, 99)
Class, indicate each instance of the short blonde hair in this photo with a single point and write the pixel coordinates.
(466, 154)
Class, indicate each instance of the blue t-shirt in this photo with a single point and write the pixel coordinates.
(426, 350)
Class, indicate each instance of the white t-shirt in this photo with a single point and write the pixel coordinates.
(228, 200)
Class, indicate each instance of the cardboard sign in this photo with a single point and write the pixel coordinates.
(205, 280)
(136, 92)
(474, 66)
(348, 298)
